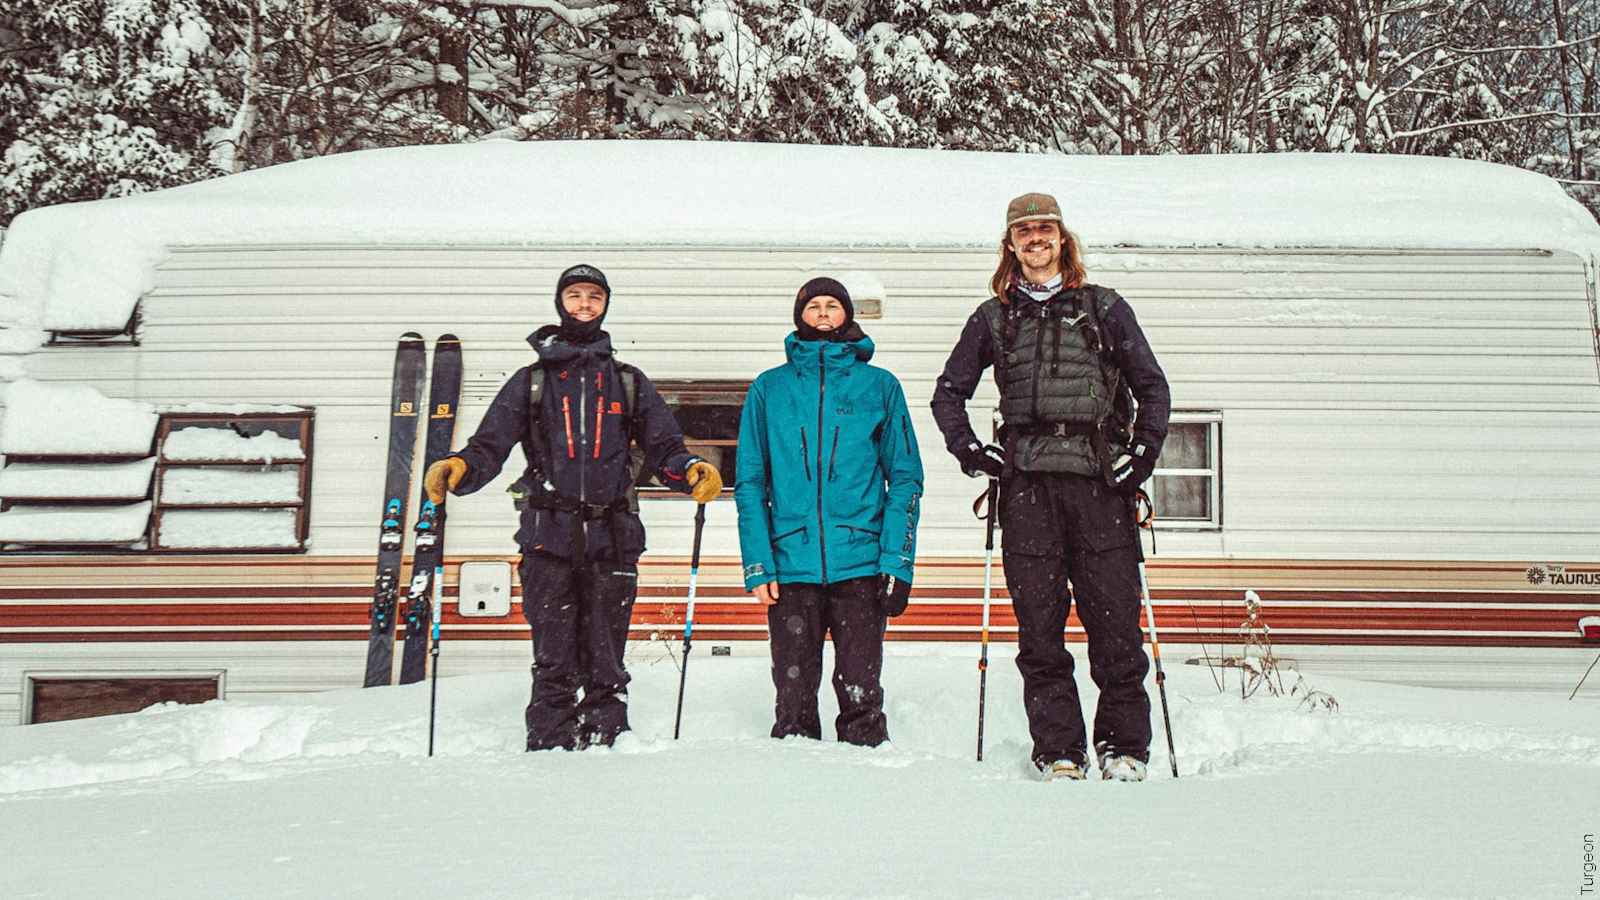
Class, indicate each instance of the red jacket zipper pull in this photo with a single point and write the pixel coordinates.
(566, 411)
(599, 409)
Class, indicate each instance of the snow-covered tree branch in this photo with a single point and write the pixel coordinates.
(128, 95)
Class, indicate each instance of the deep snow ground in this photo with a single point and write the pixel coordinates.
(1403, 792)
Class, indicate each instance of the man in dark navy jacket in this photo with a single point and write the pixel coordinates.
(575, 412)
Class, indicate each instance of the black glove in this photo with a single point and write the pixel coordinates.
(893, 595)
(981, 459)
(1133, 468)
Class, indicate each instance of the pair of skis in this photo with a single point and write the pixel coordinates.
(425, 589)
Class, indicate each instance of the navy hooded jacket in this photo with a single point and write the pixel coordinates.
(586, 444)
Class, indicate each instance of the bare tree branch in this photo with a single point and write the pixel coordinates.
(1559, 45)
(1498, 120)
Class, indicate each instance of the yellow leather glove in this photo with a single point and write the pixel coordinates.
(442, 476)
(705, 482)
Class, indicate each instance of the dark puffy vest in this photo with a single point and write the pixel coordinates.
(1060, 396)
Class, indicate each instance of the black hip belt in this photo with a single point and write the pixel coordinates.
(1097, 441)
(525, 497)
(1058, 429)
(588, 512)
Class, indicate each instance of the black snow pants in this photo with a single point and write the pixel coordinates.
(1061, 530)
(797, 623)
(579, 616)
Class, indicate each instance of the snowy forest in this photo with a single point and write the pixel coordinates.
(101, 98)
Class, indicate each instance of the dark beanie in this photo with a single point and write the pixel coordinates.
(571, 328)
(821, 287)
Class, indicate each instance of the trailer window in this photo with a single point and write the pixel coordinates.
(708, 413)
(1187, 487)
(126, 336)
(205, 482)
(57, 698)
(233, 482)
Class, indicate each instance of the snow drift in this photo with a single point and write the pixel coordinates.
(1403, 792)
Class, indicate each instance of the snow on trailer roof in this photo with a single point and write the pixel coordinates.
(83, 266)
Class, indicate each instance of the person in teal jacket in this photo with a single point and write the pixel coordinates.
(828, 486)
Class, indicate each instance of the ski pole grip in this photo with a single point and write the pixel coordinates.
(699, 526)
(992, 513)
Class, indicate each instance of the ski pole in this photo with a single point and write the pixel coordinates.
(438, 613)
(688, 616)
(988, 588)
(1155, 640)
(1584, 678)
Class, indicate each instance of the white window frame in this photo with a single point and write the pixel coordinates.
(1213, 419)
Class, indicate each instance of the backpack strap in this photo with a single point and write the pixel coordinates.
(629, 376)
(539, 463)
(1002, 333)
(630, 395)
(1122, 403)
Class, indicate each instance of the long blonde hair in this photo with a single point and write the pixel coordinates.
(1073, 273)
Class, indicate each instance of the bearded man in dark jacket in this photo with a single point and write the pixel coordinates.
(575, 412)
(1085, 406)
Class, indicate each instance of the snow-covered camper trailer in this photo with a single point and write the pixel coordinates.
(1385, 374)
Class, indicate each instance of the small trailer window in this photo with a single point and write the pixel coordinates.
(708, 413)
(58, 697)
(1187, 487)
(126, 336)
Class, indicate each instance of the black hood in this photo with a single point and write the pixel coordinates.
(571, 329)
(555, 348)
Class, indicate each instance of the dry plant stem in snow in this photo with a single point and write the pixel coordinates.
(1259, 665)
(664, 643)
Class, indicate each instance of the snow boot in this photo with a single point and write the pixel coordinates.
(1061, 769)
(1115, 767)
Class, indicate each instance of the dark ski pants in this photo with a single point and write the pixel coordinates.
(797, 623)
(579, 616)
(1063, 530)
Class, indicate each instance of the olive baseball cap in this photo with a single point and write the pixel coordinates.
(1033, 208)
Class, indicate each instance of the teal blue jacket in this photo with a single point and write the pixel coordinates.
(828, 476)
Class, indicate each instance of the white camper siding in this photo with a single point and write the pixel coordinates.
(1393, 404)
(1388, 405)
(1364, 484)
